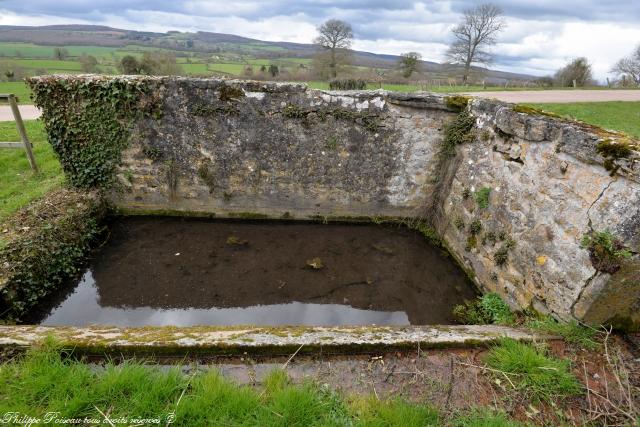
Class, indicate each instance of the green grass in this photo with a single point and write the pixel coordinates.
(43, 381)
(19, 89)
(28, 50)
(227, 68)
(18, 184)
(482, 417)
(48, 64)
(620, 116)
(534, 373)
(572, 332)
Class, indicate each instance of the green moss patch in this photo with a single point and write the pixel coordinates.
(535, 111)
(457, 102)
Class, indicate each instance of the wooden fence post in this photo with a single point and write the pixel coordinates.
(21, 130)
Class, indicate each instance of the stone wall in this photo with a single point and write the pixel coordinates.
(512, 206)
(548, 188)
(232, 148)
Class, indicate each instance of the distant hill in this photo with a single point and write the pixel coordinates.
(214, 43)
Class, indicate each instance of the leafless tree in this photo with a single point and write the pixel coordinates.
(629, 66)
(335, 36)
(577, 72)
(478, 31)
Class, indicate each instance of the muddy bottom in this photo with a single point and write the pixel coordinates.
(172, 271)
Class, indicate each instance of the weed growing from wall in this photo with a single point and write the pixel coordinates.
(458, 131)
(485, 310)
(482, 197)
(365, 119)
(88, 122)
(613, 150)
(605, 250)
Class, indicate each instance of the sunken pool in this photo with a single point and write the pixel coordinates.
(177, 271)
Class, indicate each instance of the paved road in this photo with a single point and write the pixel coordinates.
(561, 96)
(28, 112)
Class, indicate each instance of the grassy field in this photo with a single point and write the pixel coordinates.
(19, 89)
(43, 382)
(620, 116)
(19, 184)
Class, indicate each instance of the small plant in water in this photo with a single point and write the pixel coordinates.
(605, 250)
(236, 241)
(315, 263)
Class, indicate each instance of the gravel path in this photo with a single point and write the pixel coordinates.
(28, 112)
(561, 96)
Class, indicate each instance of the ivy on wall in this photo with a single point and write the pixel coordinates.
(88, 122)
(47, 241)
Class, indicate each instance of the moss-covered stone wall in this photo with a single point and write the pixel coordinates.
(513, 193)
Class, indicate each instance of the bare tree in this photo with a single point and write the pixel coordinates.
(335, 36)
(629, 66)
(576, 73)
(478, 31)
(409, 62)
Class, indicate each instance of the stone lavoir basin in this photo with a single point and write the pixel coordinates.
(542, 210)
(155, 271)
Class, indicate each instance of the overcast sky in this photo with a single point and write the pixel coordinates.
(541, 34)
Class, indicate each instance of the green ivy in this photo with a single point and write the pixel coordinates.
(58, 234)
(88, 122)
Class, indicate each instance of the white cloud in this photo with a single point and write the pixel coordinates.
(540, 36)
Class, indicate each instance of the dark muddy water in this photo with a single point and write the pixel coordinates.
(171, 271)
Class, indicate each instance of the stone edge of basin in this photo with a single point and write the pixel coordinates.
(259, 340)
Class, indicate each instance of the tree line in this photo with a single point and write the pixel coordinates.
(470, 49)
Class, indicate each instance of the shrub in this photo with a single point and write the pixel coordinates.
(347, 84)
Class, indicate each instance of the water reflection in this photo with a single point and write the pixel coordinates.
(83, 308)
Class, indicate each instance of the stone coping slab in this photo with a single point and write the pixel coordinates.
(211, 340)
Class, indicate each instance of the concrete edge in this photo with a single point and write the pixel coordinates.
(257, 340)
